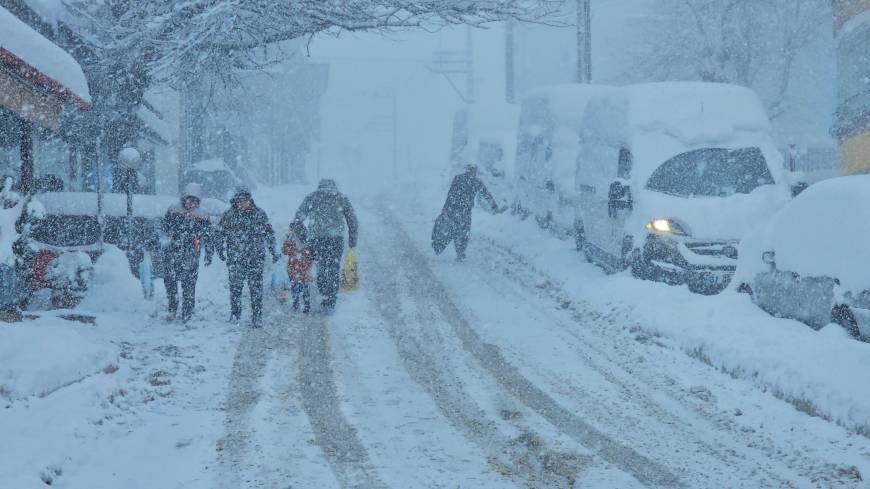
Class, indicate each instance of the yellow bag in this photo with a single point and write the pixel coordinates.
(349, 272)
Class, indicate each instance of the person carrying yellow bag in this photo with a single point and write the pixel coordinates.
(326, 213)
(349, 272)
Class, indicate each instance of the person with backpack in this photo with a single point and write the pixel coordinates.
(455, 219)
(187, 232)
(295, 246)
(327, 211)
(245, 236)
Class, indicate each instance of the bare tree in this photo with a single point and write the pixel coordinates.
(179, 40)
(753, 43)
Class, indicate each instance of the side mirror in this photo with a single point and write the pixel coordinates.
(797, 188)
(769, 257)
(619, 198)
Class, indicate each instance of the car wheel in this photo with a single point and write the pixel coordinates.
(698, 286)
(579, 237)
(640, 267)
(842, 315)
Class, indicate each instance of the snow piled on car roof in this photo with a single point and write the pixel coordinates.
(824, 231)
(688, 111)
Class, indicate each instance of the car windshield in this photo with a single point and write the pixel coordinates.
(711, 172)
(60, 230)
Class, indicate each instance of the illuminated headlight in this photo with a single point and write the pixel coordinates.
(668, 226)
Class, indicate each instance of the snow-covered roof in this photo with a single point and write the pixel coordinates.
(155, 123)
(36, 57)
(690, 112)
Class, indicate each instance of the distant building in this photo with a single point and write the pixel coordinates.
(852, 119)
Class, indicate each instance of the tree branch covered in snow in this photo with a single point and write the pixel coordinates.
(180, 40)
(752, 43)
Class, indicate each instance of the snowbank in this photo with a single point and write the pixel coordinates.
(820, 372)
(46, 354)
(113, 287)
(29, 46)
(824, 231)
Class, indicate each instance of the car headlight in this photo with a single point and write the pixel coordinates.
(667, 226)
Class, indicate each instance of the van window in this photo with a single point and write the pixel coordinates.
(625, 160)
(711, 172)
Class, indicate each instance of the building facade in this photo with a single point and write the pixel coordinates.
(852, 119)
(42, 88)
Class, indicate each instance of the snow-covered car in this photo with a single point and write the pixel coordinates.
(809, 262)
(670, 176)
(547, 145)
(217, 179)
(485, 134)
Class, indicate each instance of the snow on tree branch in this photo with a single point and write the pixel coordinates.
(180, 39)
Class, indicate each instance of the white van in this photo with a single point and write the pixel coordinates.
(670, 176)
(485, 134)
(547, 144)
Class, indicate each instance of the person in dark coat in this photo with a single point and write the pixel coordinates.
(246, 235)
(188, 231)
(460, 200)
(326, 211)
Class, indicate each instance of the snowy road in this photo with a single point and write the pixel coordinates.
(487, 374)
(435, 374)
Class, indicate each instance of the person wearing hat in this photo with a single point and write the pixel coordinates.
(326, 210)
(457, 208)
(246, 235)
(187, 231)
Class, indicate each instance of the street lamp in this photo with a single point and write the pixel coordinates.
(129, 161)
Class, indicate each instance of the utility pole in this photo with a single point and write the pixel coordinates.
(469, 76)
(584, 41)
(457, 61)
(509, 80)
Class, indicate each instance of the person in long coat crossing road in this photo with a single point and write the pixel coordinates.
(456, 213)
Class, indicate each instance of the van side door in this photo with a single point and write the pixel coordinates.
(620, 203)
(596, 170)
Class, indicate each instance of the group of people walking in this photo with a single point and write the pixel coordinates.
(244, 239)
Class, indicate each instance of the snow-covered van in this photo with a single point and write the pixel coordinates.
(670, 176)
(547, 144)
(485, 134)
(809, 262)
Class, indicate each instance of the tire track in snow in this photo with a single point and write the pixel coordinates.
(621, 354)
(525, 460)
(336, 437)
(425, 287)
(252, 355)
